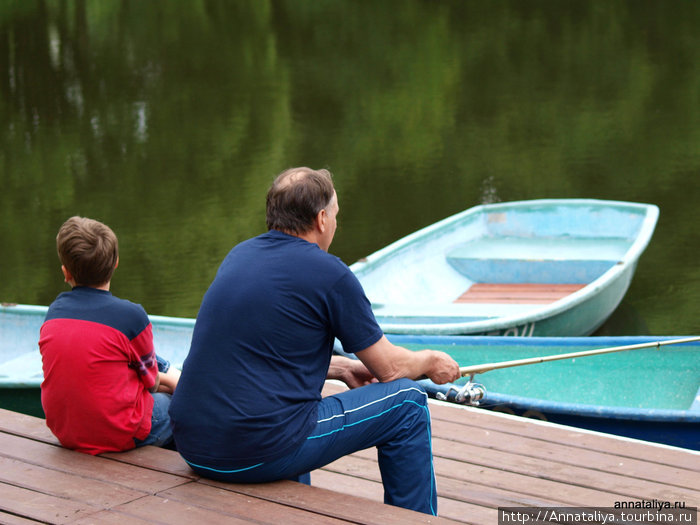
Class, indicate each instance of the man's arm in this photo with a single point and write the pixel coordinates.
(388, 362)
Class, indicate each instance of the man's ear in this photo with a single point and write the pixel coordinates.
(320, 221)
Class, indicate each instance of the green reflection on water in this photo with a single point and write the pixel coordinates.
(169, 120)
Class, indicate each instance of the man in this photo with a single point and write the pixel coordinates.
(248, 407)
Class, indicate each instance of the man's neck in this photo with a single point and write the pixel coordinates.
(308, 236)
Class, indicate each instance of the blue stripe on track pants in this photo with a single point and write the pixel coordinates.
(393, 416)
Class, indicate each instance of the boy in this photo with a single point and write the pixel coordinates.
(104, 390)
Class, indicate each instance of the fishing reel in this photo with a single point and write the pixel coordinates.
(469, 394)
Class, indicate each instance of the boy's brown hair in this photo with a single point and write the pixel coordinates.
(88, 249)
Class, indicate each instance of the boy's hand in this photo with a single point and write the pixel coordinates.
(168, 380)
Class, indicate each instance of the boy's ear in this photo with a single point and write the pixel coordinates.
(66, 274)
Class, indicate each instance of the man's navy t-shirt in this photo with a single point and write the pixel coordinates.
(261, 348)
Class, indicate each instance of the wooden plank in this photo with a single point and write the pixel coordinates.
(27, 426)
(335, 476)
(466, 513)
(162, 510)
(548, 433)
(148, 457)
(489, 487)
(64, 484)
(13, 519)
(518, 293)
(465, 481)
(315, 499)
(615, 483)
(461, 511)
(154, 458)
(94, 467)
(243, 507)
(112, 517)
(359, 486)
(41, 507)
(490, 445)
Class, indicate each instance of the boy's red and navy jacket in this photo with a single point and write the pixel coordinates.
(99, 364)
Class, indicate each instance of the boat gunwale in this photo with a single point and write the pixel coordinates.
(675, 415)
(30, 309)
(649, 213)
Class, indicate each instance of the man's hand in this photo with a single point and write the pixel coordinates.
(389, 362)
(443, 369)
(352, 372)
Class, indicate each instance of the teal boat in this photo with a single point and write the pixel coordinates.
(651, 394)
(555, 267)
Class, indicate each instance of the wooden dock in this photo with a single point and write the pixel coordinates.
(483, 460)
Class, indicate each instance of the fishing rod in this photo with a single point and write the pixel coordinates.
(471, 393)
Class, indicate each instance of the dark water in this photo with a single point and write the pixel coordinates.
(169, 120)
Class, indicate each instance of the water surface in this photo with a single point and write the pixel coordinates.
(169, 120)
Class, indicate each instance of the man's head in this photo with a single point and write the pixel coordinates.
(302, 201)
(88, 251)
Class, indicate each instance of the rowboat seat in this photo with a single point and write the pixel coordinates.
(535, 260)
(519, 293)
